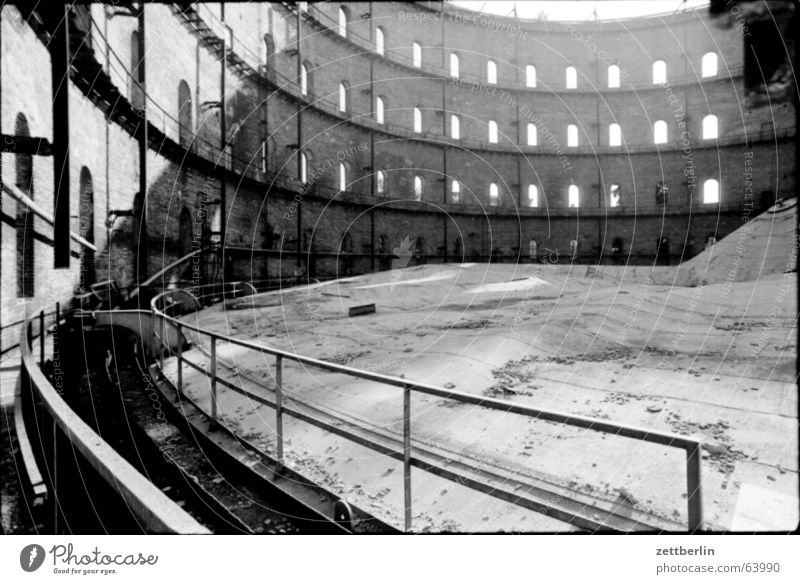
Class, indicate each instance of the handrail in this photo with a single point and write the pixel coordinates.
(21, 197)
(691, 446)
(151, 506)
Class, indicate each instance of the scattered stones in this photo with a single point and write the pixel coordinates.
(715, 449)
(771, 478)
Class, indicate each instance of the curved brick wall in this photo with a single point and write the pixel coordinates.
(269, 122)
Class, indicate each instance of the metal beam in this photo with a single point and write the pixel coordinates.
(59, 67)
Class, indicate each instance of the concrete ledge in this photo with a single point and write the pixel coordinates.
(34, 476)
(157, 512)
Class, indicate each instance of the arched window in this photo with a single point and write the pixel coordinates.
(660, 132)
(492, 132)
(342, 177)
(572, 135)
(379, 41)
(708, 66)
(530, 76)
(659, 72)
(494, 194)
(269, 54)
(455, 127)
(304, 79)
(342, 21)
(711, 191)
(613, 76)
(532, 135)
(416, 54)
(135, 91)
(491, 72)
(455, 192)
(380, 108)
(86, 227)
(185, 117)
(343, 91)
(380, 182)
(614, 135)
(574, 196)
(302, 168)
(614, 195)
(572, 78)
(184, 233)
(417, 120)
(24, 223)
(454, 72)
(533, 196)
(419, 188)
(710, 128)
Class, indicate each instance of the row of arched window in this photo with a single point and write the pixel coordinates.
(710, 188)
(710, 126)
(708, 64)
(24, 221)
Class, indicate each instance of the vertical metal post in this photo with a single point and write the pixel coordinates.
(407, 454)
(180, 358)
(279, 405)
(55, 477)
(694, 488)
(59, 72)
(41, 338)
(55, 336)
(162, 344)
(214, 377)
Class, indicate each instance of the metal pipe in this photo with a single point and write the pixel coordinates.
(180, 361)
(279, 406)
(694, 487)
(407, 455)
(41, 338)
(214, 378)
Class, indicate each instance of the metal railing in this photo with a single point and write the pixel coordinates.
(691, 446)
(152, 508)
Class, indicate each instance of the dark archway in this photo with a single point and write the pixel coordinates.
(185, 234)
(185, 130)
(135, 91)
(269, 56)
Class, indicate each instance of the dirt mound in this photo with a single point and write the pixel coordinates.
(761, 247)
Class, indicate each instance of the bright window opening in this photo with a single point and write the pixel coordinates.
(532, 135)
(574, 196)
(659, 73)
(711, 191)
(572, 135)
(613, 76)
(660, 132)
(614, 135)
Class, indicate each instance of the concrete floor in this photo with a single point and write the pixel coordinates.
(707, 349)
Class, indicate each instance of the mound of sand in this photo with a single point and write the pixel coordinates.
(759, 248)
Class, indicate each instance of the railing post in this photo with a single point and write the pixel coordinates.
(180, 358)
(214, 377)
(279, 405)
(694, 487)
(407, 455)
(55, 336)
(41, 338)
